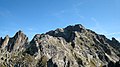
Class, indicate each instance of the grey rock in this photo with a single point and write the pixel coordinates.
(73, 46)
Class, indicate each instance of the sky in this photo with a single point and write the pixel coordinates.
(39, 16)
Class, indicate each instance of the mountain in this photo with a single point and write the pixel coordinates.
(73, 46)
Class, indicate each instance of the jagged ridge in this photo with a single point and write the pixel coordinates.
(73, 46)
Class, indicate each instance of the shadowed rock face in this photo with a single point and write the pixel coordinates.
(73, 46)
(1, 41)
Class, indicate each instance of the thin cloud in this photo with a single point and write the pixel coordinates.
(93, 19)
(114, 33)
(59, 13)
(30, 29)
(77, 13)
(82, 17)
(74, 10)
(98, 27)
(5, 12)
(77, 4)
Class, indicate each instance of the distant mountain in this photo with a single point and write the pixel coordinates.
(73, 46)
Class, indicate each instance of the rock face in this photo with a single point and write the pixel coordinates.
(14, 43)
(73, 46)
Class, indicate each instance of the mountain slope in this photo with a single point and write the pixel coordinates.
(73, 46)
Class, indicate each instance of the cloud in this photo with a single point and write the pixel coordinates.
(77, 4)
(30, 29)
(5, 12)
(100, 30)
(74, 10)
(33, 29)
(93, 19)
(82, 17)
(97, 26)
(114, 33)
(59, 13)
(77, 13)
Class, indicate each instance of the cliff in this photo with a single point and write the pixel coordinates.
(73, 46)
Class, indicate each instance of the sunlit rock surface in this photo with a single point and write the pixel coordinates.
(73, 46)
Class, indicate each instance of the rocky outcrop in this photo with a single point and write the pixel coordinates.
(73, 46)
(19, 41)
(5, 42)
(11, 47)
(14, 43)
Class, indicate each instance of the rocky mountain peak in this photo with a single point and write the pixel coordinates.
(77, 27)
(114, 40)
(20, 39)
(6, 37)
(5, 41)
(72, 46)
(67, 32)
(14, 43)
(19, 34)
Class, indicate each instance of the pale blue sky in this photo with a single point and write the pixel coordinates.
(40, 16)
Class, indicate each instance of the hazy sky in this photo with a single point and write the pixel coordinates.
(40, 16)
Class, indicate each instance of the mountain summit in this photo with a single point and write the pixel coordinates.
(73, 46)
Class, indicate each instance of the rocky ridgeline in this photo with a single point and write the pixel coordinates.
(73, 46)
